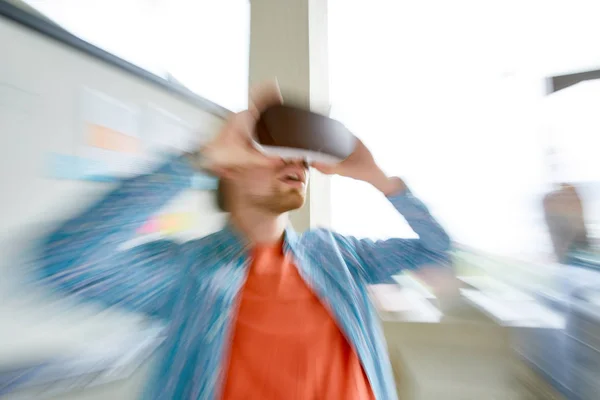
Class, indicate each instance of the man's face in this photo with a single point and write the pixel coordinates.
(274, 189)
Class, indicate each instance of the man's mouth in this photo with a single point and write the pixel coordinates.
(294, 178)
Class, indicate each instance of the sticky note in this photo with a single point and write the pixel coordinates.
(168, 224)
(106, 138)
(175, 222)
(151, 226)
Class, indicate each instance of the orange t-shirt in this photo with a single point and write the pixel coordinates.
(286, 345)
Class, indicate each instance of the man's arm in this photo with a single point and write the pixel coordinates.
(82, 256)
(377, 261)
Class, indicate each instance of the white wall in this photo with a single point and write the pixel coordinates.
(40, 84)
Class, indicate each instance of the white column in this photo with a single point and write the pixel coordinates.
(288, 40)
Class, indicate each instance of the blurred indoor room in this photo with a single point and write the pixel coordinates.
(485, 110)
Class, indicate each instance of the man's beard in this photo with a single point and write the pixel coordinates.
(281, 202)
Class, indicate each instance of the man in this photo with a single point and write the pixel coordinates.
(254, 310)
(563, 211)
(564, 214)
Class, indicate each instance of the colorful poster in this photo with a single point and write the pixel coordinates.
(169, 223)
(119, 140)
(62, 166)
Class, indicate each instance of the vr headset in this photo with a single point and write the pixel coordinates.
(295, 133)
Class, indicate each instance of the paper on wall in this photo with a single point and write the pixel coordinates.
(165, 132)
(110, 136)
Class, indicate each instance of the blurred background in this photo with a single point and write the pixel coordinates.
(486, 108)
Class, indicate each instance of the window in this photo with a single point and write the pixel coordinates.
(203, 45)
(448, 98)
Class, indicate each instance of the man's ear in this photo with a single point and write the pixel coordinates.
(264, 95)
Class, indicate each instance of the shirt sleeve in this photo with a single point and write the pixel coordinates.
(82, 256)
(377, 261)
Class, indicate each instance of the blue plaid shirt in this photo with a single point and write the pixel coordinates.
(195, 286)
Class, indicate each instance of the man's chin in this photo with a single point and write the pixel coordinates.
(296, 203)
(291, 202)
